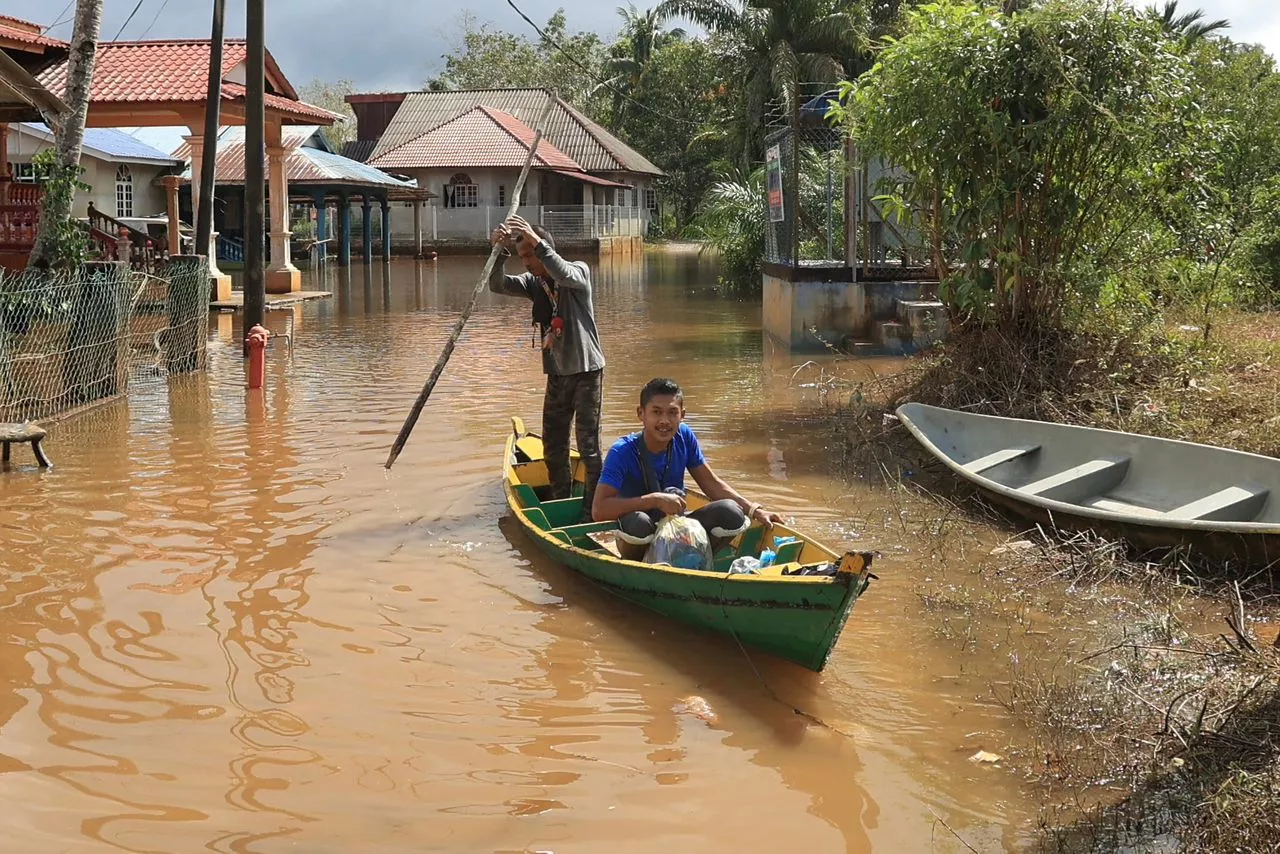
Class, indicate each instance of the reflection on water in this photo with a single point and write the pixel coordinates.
(226, 627)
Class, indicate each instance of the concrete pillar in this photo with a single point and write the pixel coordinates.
(320, 201)
(386, 230)
(366, 233)
(417, 228)
(171, 183)
(344, 226)
(282, 276)
(219, 282)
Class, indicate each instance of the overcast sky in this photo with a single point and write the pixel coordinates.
(396, 44)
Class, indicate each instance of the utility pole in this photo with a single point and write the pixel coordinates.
(209, 154)
(255, 193)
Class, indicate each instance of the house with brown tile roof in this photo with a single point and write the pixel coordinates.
(468, 147)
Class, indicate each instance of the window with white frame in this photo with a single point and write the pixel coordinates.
(25, 172)
(461, 192)
(502, 195)
(124, 192)
(651, 199)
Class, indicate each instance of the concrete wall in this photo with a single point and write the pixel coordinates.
(826, 301)
(791, 308)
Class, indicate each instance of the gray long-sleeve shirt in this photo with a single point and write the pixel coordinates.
(577, 350)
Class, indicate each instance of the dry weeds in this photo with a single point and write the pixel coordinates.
(1165, 735)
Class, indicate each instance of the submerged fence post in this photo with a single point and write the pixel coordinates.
(94, 367)
(187, 313)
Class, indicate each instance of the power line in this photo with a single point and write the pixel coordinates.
(153, 20)
(58, 20)
(600, 80)
(128, 19)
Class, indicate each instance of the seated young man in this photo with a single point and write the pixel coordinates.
(643, 478)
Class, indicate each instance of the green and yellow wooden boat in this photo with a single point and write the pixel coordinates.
(797, 617)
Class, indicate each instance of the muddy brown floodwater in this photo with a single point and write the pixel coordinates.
(225, 627)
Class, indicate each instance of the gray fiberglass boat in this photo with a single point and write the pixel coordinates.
(1155, 493)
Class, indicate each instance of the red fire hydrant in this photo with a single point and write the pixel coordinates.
(256, 341)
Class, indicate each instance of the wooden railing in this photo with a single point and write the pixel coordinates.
(230, 249)
(24, 194)
(18, 227)
(113, 240)
(19, 215)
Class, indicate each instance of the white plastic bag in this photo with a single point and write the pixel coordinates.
(681, 542)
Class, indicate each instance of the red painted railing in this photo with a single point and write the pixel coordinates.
(25, 194)
(112, 240)
(18, 227)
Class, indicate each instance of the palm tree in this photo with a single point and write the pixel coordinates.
(783, 44)
(1189, 27)
(640, 36)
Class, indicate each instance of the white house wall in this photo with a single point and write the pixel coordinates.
(100, 175)
(477, 222)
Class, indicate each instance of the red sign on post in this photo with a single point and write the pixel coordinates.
(773, 175)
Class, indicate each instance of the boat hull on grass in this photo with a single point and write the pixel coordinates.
(798, 618)
(1157, 494)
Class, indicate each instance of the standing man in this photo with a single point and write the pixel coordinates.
(564, 316)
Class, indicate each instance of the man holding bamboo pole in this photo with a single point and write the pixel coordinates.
(572, 359)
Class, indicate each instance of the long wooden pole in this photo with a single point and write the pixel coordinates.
(475, 297)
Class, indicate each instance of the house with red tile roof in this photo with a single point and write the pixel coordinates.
(163, 83)
(468, 147)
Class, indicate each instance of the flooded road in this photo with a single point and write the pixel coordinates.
(225, 627)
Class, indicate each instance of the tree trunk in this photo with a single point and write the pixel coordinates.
(68, 129)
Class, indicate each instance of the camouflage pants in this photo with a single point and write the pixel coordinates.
(572, 399)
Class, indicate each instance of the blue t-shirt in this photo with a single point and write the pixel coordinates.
(622, 467)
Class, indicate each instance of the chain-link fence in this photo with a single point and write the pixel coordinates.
(71, 339)
(811, 176)
(805, 172)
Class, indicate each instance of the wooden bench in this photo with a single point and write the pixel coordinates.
(28, 432)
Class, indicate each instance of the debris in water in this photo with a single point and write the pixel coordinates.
(985, 757)
(698, 707)
(1015, 546)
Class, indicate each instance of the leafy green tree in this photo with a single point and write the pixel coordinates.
(1221, 203)
(1189, 27)
(775, 45)
(1034, 145)
(487, 57)
(629, 57)
(332, 96)
(733, 221)
(678, 96)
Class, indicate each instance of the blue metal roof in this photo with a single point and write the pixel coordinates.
(114, 144)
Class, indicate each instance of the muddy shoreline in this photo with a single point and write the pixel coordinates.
(1145, 689)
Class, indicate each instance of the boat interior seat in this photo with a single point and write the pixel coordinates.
(1000, 457)
(1233, 504)
(1074, 485)
(563, 512)
(751, 542)
(789, 552)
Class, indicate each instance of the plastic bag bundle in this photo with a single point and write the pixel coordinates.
(680, 541)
